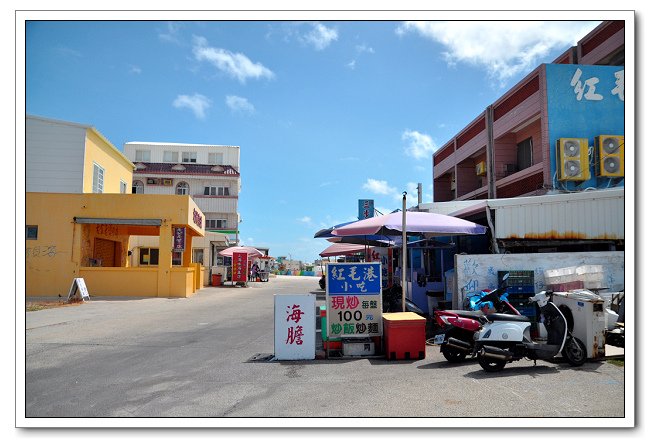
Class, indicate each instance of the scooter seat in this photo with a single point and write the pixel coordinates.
(468, 314)
(506, 317)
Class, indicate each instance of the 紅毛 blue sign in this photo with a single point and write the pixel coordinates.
(354, 278)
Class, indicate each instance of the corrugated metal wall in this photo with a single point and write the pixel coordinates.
(563, 217)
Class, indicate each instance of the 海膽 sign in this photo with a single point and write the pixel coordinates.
(295, 326)
(354, 302)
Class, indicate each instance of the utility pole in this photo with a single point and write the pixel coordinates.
(404, 252)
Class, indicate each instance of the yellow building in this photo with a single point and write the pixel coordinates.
(80, 215)
(86, 236)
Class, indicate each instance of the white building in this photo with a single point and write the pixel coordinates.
(208, 173)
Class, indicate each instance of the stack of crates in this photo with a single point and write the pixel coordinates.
(521, 286)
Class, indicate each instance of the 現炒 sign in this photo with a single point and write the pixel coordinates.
(354, 304)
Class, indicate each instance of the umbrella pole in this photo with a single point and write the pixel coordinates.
(404, 252)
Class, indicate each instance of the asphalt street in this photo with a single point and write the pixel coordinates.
(193, 357)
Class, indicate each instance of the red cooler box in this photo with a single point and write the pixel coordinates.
(404, 335)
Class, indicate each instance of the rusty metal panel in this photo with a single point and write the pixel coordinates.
(589, 215)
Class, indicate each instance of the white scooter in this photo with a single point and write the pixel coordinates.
(503, 338)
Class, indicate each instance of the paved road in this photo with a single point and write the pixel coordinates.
(191, 358)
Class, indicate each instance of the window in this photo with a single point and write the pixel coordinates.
(98, 179)
(189, 157)
(197, 256)
(182, 188)
(138, 187)
(216, 191)
(31, 232)
(170, 157)
(216, 223)
(148, 256)
(215, 158)
(177, 258)
(143, 156)
(525, 154)
(122, 187)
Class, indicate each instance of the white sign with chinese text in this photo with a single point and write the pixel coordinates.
(295, 326)
(79, 286)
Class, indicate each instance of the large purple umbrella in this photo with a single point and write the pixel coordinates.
(430, 224)
(403, 223)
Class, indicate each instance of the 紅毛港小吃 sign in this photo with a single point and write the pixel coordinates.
(354, 304)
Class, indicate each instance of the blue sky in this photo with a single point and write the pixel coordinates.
(325, 113)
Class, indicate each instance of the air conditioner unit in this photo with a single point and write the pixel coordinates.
(573, 159)
(610, 150)
(481, 169)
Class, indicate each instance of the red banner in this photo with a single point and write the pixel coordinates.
(239, 267)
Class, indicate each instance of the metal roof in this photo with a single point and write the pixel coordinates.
(199, 145)
(597, 215)
(119, 221)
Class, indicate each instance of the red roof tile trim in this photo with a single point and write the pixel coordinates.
(190, 168)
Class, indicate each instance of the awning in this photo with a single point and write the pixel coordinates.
(119, 221)
(471, 210)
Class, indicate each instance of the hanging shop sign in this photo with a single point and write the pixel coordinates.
(366, 208)
(179, 239)
(382, 255)
(295, 326)
(239, 267)
(354, 305)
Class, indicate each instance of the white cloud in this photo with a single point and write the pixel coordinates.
(305, 219)
(504, 49)
(135, 69)
(363, 48)
(239, 104)
(379, 187)
(351, 65)
(197, 103)
(236, 65)
(321, 36)
(328, 183)
(420, 146)
(171, 34)
(66, 52)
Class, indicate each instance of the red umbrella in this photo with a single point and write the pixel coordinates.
(342, 249)
(251, 251)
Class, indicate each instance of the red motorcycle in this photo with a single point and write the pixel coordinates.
(457, 327)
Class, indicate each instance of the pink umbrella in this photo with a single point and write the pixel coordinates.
(430, 224)
(342, 249)
(251, 251)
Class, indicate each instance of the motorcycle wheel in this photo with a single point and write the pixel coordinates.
(452, 355)
(491, 364)
(575, 352)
